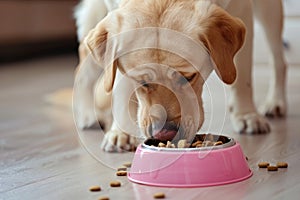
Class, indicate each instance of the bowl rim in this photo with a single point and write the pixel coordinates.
(230, 143)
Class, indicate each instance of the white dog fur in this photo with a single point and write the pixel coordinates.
(243, 113)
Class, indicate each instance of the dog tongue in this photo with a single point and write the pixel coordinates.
(164, 135)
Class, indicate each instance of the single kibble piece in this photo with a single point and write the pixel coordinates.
(218, 143)
(122, 169)
(161, 144)
(103, 198)
(182, 144)
(195, 144)
(159, 195)
(247, 158)
(127, 164)
(272, 168)
(95, 188)
(115, 184)
(170, 145)
(121, 173)
(282, 165)
(263, 164)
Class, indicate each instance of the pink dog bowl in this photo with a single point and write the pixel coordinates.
(190, 167)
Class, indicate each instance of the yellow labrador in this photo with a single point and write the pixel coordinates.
(154, 56)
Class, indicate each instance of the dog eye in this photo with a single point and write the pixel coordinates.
(183, 80)
(144, 83)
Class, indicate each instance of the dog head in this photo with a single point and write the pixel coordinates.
(167, 48)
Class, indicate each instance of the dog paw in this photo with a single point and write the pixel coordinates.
(117, 141)
(85, 120)
(274, 108)
(250, 123)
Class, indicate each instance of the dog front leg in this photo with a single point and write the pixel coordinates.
(272, 23)
(243, 113)
(87, 74)
(124, 132)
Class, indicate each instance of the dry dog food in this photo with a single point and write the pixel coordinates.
(263, 164)
(272, 168)
(115, 184)
(183, 144)
(282, 165)
(170, 145)
(161, 144)
(121, 173)
(159, 195)
(201, 140)
(103, 198)
(95, 188)
(127, 164)
(218, 143)
(197, 144)
(122, 169)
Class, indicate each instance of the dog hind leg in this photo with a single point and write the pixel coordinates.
(243, 113)
(272, 23)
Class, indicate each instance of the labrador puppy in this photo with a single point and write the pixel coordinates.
(154, 56)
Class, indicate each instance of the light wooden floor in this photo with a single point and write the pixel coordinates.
(41, 156)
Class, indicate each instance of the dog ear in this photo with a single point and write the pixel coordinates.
(103, 51)
(222, 35)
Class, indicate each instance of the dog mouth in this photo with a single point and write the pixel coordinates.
(167, 133)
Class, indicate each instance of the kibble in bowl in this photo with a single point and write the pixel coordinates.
(207, 160)
(200, 142)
